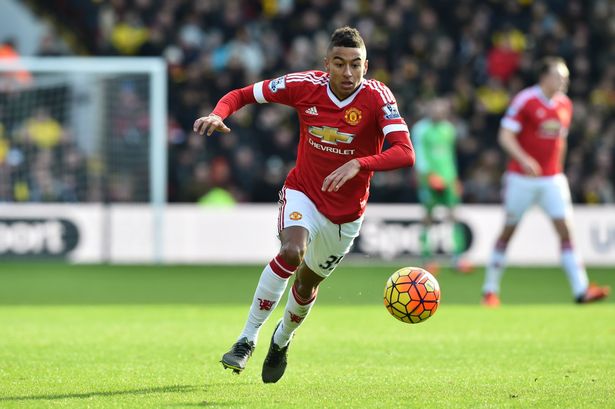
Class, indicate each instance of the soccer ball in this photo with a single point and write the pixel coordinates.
(412, 295)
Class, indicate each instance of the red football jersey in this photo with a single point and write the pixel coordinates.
(332, 132)
(541, 126)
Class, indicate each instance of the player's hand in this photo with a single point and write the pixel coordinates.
(341, 175)
(210, 123)
(531, 167)
(436, 182)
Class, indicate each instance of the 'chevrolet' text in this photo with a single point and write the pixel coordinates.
(331, 149)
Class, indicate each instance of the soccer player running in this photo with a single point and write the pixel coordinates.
(434, 140)
(533, 132)
(344, 120)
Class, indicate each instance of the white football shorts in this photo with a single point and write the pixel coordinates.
(551, 193)
(328, 242)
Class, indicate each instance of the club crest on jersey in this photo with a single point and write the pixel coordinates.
(277, 84)
(295, 216)
(352, 116)
(330, 135)
(391, 111)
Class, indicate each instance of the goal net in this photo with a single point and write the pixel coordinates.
(83, 130)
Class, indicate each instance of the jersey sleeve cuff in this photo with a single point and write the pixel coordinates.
(362, 163)
(510, 124)
(395, 128)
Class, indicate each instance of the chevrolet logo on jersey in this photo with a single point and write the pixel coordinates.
(551, 128)
(330, 135)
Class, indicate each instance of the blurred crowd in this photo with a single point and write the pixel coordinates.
(478, 54)
(54, 147)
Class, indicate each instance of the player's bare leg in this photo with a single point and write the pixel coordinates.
(271, 286)
(495, 267)
(301, 298)
(583, 291)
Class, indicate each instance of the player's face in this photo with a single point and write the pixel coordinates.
(439, 110)
(558, 78)
(346, 67)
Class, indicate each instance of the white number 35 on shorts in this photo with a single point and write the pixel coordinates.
(328, 242)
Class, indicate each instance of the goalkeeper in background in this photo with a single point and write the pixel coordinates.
(436, 165)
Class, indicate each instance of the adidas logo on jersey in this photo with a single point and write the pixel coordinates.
(311, 111)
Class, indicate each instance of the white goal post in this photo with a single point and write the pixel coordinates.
(112, 116)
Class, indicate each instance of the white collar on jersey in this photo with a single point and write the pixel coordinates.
(346, 101)
(541, 95)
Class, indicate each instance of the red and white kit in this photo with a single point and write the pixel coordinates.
(332, 132)
(541, 126)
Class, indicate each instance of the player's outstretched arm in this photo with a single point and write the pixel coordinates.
(341, 175)
(400, 154)
(210, 123)
(228, 104)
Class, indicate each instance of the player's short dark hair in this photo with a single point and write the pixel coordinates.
(546, 64)
(346, 37)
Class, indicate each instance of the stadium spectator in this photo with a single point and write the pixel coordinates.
(43, 131)
(51, 46)
(8, 53)
(57, 170)
(533, 133)
(5, 172)
(503, 59)
(128, 34)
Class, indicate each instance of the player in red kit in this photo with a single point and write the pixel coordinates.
(533, 132)
(344, 120)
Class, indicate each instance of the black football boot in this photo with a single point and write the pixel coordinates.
(237, 357)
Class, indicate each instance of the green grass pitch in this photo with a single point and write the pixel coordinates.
(152, 336)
